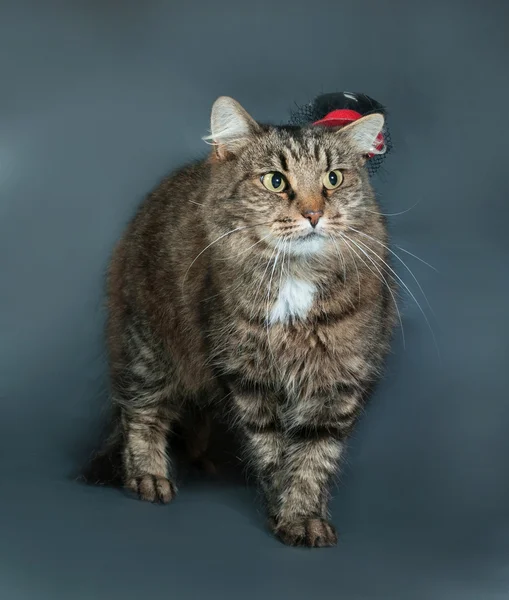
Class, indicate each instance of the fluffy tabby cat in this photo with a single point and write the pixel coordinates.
(254, 280)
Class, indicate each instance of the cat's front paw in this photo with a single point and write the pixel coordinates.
(313, 532)
(152, 488)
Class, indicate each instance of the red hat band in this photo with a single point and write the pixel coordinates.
(344, 116)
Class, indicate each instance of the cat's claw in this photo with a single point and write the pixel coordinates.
(152, 488)
(312, 532)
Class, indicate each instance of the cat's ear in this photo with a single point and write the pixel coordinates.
(230, 127)
(363, 133)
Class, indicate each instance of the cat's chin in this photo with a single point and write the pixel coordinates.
(309, 245)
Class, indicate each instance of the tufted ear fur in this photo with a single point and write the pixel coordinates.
(362, 134)
(231, 127)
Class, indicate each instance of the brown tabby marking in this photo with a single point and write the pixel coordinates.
(271, 306)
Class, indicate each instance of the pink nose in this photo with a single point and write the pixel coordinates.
(313, 216)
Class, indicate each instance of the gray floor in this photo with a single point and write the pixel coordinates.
(99, 100)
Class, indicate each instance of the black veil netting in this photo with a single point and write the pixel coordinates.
(347, 107)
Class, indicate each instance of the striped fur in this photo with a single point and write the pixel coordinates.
(194, 319)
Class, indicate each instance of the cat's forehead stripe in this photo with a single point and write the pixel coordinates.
(301, 144)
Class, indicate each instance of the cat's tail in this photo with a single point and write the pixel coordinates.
(105, 466)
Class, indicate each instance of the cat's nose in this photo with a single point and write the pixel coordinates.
(313, 216)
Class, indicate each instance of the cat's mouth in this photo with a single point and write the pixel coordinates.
(307, 235)
(300, 240)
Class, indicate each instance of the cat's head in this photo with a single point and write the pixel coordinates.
(298, 186)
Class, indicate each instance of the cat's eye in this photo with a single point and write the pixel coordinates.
(333, 179)
(274, 182)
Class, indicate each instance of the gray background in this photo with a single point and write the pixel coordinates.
(101, 98)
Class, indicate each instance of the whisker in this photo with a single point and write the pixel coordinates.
(401, 261)
(259, 264)
(268, 308)
(417, 258)
(396, 214)
(407, 289)
(356, 268)
(215, 242)
(341, 257)
(270, 284)
(253, 245)
(283, 264)
(381, 278)
(263, 277)
(241, 283)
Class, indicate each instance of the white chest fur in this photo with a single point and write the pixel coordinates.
(294, 301)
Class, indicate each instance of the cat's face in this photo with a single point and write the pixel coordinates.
(297, 189)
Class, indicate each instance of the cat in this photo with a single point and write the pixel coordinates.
(253, 280)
